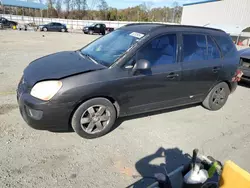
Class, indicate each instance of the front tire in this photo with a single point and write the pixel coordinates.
(63, 30)
(217, 97)
(94, 118)
(91, 32)
(45, 29)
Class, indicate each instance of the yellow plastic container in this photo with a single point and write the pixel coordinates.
(234, 177)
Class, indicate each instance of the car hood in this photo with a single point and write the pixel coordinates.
(13, 22)
(245, 53)
(57, 66)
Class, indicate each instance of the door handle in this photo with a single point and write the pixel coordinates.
(216, 69)
(172, 75)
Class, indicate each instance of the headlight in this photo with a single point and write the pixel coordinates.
(45, 90)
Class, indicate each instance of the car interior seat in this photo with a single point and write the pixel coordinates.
(165, 51)
(196, 50)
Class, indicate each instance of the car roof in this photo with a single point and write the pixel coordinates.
(146, 28)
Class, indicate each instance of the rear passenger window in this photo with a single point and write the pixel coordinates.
(213, 51)
(194, 47)
(226, 45)
(160, 51)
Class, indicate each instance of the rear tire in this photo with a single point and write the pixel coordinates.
(217, 97)
(94, 118)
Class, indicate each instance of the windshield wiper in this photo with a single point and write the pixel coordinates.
(89, 57)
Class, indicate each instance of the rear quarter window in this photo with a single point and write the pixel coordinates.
(226, 45)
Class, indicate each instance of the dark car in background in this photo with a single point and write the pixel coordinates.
(53, 26)
(245, 64)
(135, 69)
(97, 28)
(7, 23)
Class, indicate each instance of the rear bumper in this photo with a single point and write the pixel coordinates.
(44, 115)
(246, 73)
(233, 86)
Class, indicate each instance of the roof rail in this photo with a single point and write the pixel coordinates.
(198, 27)
(174, 25)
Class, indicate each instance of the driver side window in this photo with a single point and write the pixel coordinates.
(159, 51)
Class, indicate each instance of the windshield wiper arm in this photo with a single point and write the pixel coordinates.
(89, 57)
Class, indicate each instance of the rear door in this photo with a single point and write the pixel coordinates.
(58, 26)
(201, 65)
(103, 28)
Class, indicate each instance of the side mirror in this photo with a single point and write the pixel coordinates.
(142, 65)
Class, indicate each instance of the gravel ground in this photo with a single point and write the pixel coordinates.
(33, 158)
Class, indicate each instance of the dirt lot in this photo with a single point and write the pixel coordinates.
(31, 158)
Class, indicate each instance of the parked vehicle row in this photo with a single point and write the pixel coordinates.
(98, 28)
(135, 69)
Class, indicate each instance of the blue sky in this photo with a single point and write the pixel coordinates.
(155, 3)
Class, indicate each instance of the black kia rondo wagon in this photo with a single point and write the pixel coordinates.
(135, 69)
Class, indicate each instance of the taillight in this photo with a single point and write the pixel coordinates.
(237, 76)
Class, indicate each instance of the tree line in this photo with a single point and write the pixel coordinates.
(100, 10)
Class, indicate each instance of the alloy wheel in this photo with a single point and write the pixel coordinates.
(219, 96)
(95, 119)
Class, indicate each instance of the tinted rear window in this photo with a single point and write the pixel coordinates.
(226, 45)
(212, 49)
(194, 47)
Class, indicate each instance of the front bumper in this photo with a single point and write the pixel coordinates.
(44, 115)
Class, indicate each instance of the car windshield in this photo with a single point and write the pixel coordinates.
(111, 47)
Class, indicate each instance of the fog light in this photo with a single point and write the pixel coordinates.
(35, 114)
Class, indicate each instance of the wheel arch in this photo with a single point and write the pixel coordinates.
(221, 81)
(232, 85)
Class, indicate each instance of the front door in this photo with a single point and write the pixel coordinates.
(159, 87)
(4, 22)
(201, 65)
(53, 27)
(58, 27)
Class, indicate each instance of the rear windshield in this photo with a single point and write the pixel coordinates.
(226, 45)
